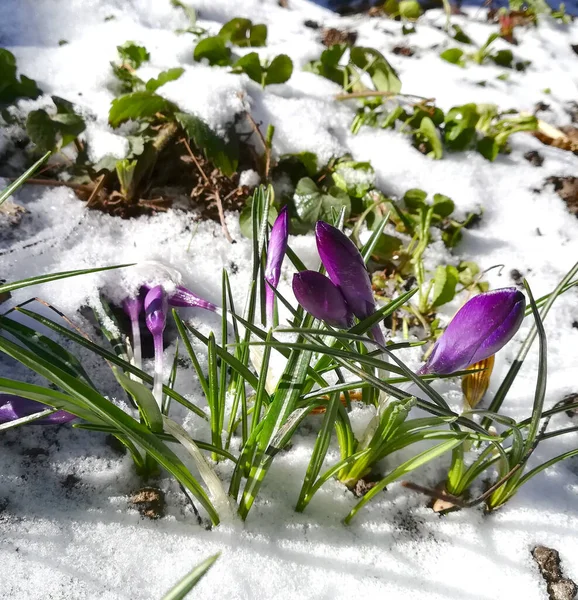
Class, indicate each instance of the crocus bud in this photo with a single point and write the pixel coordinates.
(156, 306)
(346, 269)
(182, 298)
(16, 407)
(479, 329)
(275, 255)
(321, 298)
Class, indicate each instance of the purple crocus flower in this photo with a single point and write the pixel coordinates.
(275, 255)
(183, 298)
(479, 329)
(346, 269)
(133, 307)
(16, 407)
(156, 306)
(321, 298)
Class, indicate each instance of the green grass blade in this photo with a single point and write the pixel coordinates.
(372, 242)
(47, 396)
(28, 419)
(111, 357)
(16, 285)
(44, 346)
(546, 465)
(7, 192)
(213, 483)
(506, 384)
(189, 581)
(162, 436)
(111, 414)
(144, 399)
(191, 352)
(319, 451)
(409, 465)
(540, 392)
(228, 358)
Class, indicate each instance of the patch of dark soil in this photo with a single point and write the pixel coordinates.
(403, 51)
(331, 37)
(362, 487)
(534, 158)
(311, 24)
(558, 586)
(567, 189)
(150, 502)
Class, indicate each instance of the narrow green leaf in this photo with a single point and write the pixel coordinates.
(7, 192)
(189, 581)
(16, 285)
(409, 465)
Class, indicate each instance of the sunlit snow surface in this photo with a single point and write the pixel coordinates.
(66, 538)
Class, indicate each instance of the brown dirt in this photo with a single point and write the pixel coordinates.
(150, 502)
(558, 586)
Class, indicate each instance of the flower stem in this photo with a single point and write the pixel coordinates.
(158, 377)
(136, 344)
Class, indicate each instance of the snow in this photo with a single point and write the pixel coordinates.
(83, 540)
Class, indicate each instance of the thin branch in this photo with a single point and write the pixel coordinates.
(437, 494)
(379, 94)
(266, 148)
(216, 194)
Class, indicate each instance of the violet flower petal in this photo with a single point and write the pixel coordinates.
(275, 255)
(321, 298)
(346, 269)
(156, 306)
(479, 329)
(183, 298)
(16, 407)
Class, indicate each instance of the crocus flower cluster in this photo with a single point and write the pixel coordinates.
(479, 329)
(155, 304)
(275, 255)
(16, 407)
(347, 292)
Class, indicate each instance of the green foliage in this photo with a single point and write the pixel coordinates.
(372, 62)
(223, 153)
(361, 60)
(503, 58)
(410, 9)
(241, 32)
(328, 65)
(50, 132)
(215, 50)
(454, 56)
(312, 203)
(279, 70)
(444, 288)
(132, 56)
(11, 86)
(138, 106)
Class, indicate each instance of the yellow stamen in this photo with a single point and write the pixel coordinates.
(474, 386)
